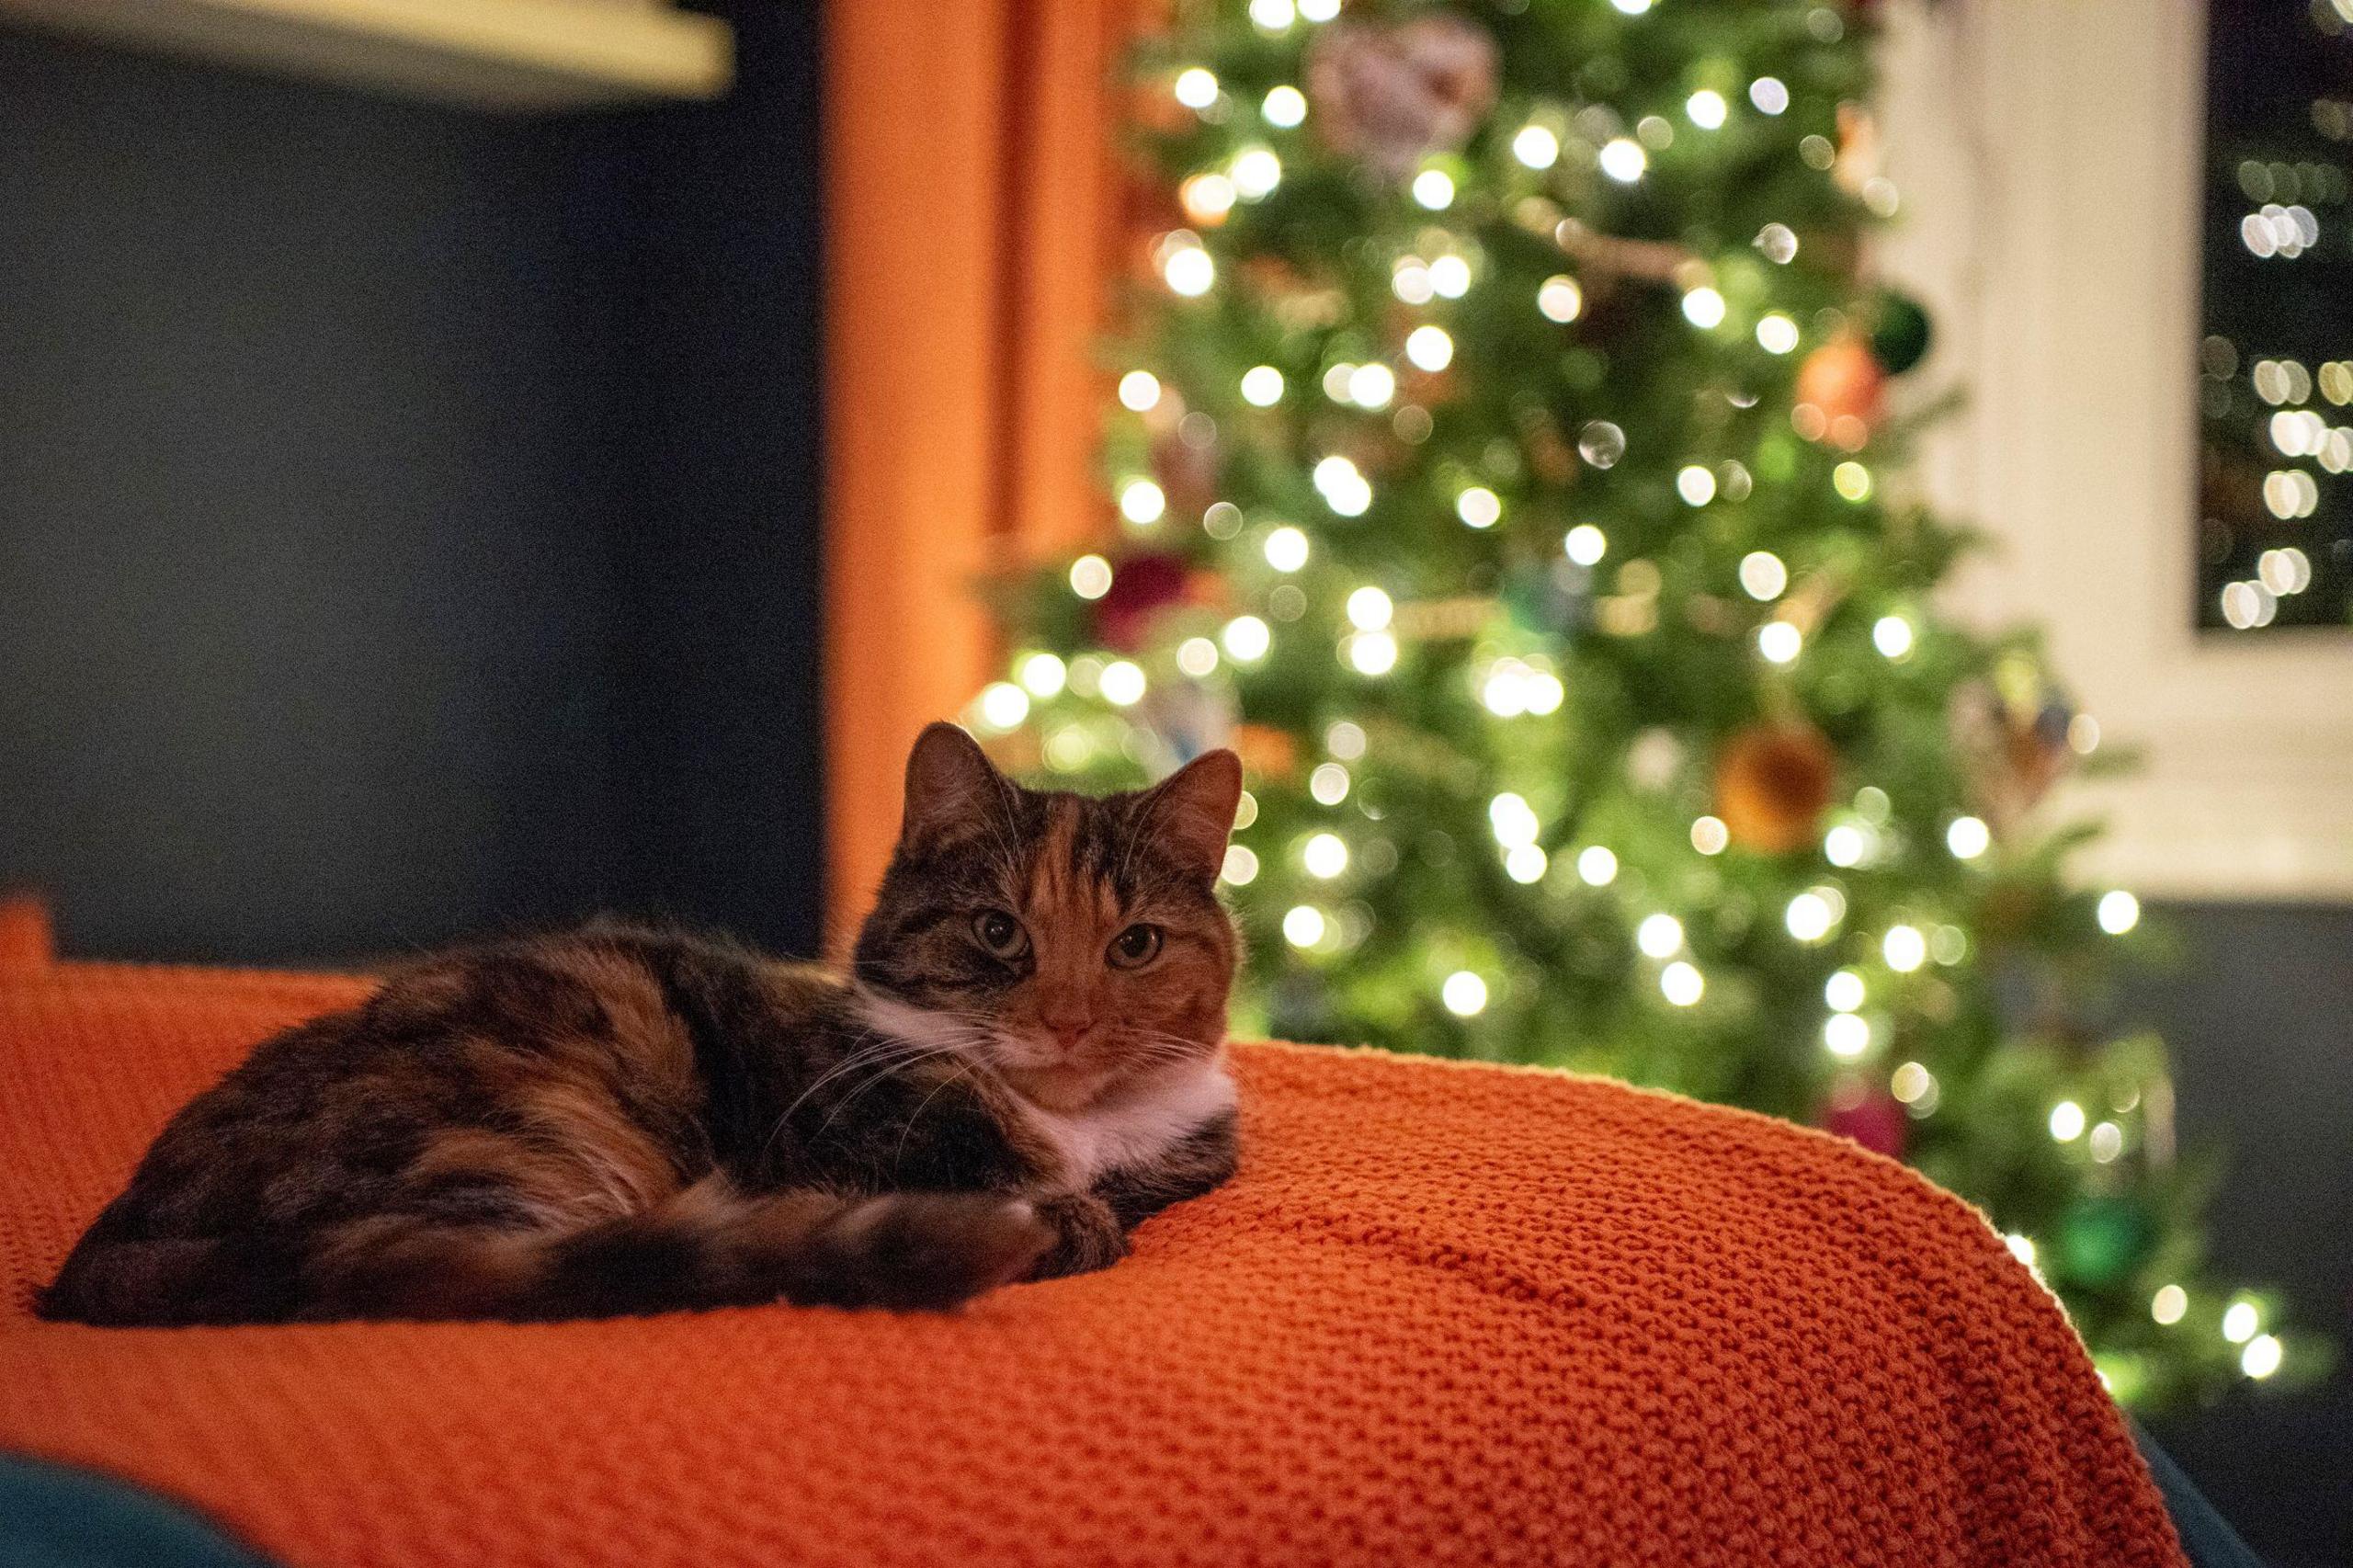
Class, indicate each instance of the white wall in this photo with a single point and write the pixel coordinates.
(2049, 157)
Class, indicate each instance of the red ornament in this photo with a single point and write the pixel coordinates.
(1870, 1117)
(1141, 587)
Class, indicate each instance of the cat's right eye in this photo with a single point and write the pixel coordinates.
(1000, 933)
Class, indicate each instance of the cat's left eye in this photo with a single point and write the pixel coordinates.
(1135, 947)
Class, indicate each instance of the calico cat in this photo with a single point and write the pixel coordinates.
(1025, 1060)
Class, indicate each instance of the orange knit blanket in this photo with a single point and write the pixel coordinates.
(1445, 1314)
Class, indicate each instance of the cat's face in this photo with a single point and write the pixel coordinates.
(1070, 943)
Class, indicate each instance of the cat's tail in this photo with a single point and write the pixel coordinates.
(707, 1246)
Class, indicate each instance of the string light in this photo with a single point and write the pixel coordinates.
(1808, 917)
(1246, 639)
(1525, 863)
(1139, 390)
(1195, 87)
(1319, 10)
(1904, 949)
(1044, 675)
(1262, 386)
(1286, 548)
(1328, 784)
(1695, 484)
(1776, 334)
(2261, 1358)
(1586, 545)
(1513, 819)
(1326, 856)
(1659, 934)
(1478, 506)
(1090, 576)
(1779, 641)
(1762, 576)
(1143, 502)
(1003, 705)
(1769, 94)
(1844, 846)
(1450, 277)
(1197, 656)
(1597, 867)
(1845, 1035)
(1188, 270)
(1704, 308)
(1303, 925)
(1843, 991)
(1852, 481)
(1558, 299)
(1256, 172)
(1536, 147)
(1682, 984)
(1892, 635)
(1623, 160)
(1373, 653)
(1433, 188)
(1709, 835)
(2021, 1247)
(1429, 349)
(1284, 107)
(1343, 487)
(2119, 912)
(1207, 198)
(1967, 838)
(2169, 1305)
(1464, 994)
(1369, 610)
(1273, 16)
(1122, 683)
(1706, 108)
(1371, 386)
(2239, 1322)
(2066, 1121)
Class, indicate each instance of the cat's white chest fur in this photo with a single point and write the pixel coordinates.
(1139, 1126)
(1134, 1127)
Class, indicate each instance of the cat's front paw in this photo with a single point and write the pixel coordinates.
(1086, 1236)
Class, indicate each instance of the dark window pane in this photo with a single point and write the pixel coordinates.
(2275, 533)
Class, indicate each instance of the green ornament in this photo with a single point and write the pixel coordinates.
(2101, 1239)
(1900, 332)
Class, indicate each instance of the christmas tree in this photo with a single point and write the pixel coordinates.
(1503, 464)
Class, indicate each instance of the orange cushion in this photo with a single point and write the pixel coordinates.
(1445, 1314)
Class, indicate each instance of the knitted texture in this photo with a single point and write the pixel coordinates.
(1445, 1314)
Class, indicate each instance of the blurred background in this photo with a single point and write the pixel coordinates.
(416, 475)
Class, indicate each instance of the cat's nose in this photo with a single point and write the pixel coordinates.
(1068, 1032)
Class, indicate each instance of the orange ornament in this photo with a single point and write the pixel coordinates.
(1772, 784)
(1266, 751)
(1845, 387)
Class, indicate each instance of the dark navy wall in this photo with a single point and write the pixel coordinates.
(2259, 1014)
(407, 516)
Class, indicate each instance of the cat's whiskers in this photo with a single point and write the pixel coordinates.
(889, 1052)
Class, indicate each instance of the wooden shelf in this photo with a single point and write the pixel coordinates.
(509, 55)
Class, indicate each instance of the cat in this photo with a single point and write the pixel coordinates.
(1024, 1062)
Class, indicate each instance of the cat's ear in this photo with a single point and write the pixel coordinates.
(950, 783)
(1191, 810)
